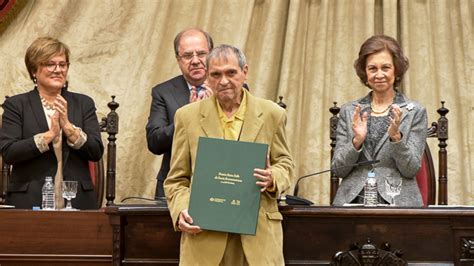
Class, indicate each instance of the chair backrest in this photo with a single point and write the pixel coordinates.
(96, 170)
(108, 124)
(426, 177)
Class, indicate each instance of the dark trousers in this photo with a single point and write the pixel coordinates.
(159, 192)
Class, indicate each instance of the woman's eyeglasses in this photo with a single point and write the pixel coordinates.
(51, 66)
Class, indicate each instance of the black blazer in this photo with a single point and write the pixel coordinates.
(168, 97)
(23, 117)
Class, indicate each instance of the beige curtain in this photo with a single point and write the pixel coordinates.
(300, 49)
(438, 39)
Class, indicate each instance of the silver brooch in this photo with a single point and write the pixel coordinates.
(410, 106)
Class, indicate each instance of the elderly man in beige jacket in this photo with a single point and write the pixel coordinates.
(231, 113)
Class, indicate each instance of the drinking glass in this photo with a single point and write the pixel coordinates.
(69, 191)
(393, 188)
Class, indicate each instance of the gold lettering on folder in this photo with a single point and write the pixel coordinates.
(216, 200)
(227, 178)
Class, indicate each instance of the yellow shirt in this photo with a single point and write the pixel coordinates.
(232, 126)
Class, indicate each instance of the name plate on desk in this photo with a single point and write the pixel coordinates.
(224, 196)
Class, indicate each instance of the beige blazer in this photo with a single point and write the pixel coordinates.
(264, 122)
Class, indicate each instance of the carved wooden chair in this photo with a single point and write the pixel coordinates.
(368, 254)
(426, 177)
(108, 124)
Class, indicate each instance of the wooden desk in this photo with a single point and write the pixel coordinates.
(55, 238)
(312, 235)
(432, 235)
(143, 234)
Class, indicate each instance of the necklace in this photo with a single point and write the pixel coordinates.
(380, 112)
(46, 104)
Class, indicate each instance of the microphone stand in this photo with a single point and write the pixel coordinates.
(295, 200)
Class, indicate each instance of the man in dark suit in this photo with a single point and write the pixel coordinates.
(191, 47)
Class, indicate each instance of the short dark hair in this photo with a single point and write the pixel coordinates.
(41, 50)
(378, 43)
(177, 39)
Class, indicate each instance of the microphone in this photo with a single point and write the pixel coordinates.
(295, 200)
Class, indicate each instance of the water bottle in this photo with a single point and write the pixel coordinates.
(370, 190)
(48, 194)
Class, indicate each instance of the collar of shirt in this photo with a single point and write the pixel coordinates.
(190, 87)
(232, 126)
(240, 114)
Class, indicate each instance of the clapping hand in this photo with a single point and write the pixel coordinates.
(394, 127)
(359, 127)
(53, 133)
(203, 93)
(60, 105)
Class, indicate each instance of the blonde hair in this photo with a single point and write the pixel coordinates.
(42, 50)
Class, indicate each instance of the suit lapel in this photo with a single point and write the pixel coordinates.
(180, 91)
(72, 110)
(252, 121)
(365, 105)
(210, 120)
(38, 112)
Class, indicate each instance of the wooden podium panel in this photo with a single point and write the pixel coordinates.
(143, 234)
(55, 238)
(441, 235)
(312, 235)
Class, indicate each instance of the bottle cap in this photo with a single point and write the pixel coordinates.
(371, 174)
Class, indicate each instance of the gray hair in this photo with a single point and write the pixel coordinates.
(224, 51)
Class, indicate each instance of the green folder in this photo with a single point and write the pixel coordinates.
(224, 196)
